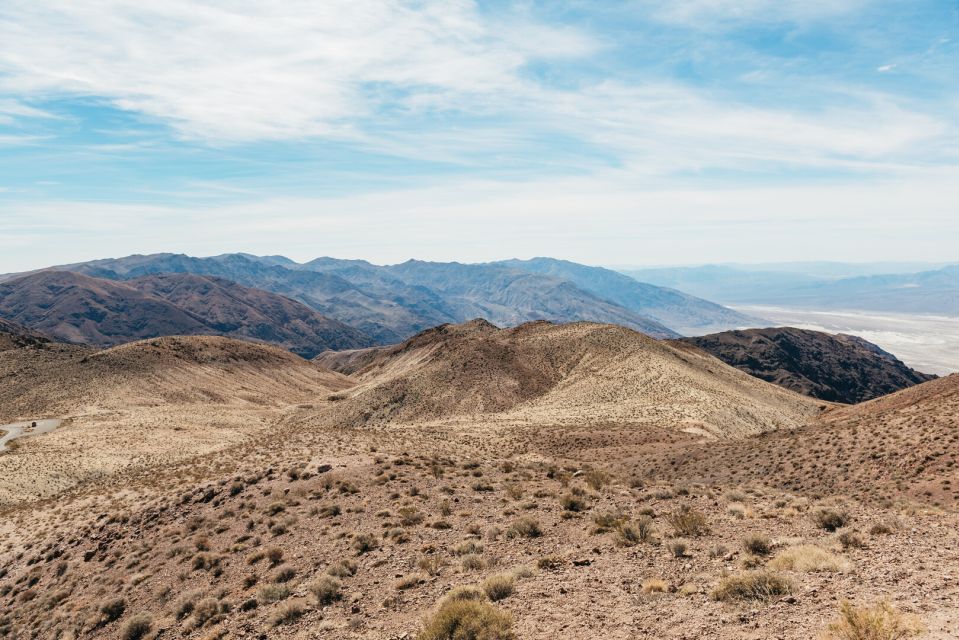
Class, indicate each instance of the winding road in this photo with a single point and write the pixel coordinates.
(25, 429)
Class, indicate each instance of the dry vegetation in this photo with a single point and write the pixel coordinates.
(467, 527)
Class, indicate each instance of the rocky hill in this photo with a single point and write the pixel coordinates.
(837, 368)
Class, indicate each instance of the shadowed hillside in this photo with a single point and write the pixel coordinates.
(837, 368)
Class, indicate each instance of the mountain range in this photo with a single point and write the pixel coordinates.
(391, 303)
(933, 291)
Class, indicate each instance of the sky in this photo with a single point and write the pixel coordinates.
(616, 132)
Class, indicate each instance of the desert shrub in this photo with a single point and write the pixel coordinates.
(678, 548)
(274, 555)
(881, 622)
(468, 620)
(688, 522)
(185, 605)
(326, 589)
(432, 565)
(808, 558)
(273, 592)
(112, 608)
(499, 587)
(137, 627)
(467, 548)
(410, 516)
(655, 585)
(757, 544)
(607, 521)
(829, 519)
(288, 612)
(284, 574)
(342, 569)
(550, 563)
(573, 503)
(472, 562)
(596, 478)
(525, 527)
(408, 582)
(851, 540)
(465, 592)
(882, 529)
(514, 490)
(751, 585)
(364, 543)
(206, 610)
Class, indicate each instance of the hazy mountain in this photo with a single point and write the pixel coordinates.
(391, 303)
(935, 291)
(675, 309)
(101, 312)
(838, 368)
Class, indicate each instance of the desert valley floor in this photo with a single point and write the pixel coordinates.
(550, 481)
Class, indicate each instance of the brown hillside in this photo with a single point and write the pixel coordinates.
(836, 368)
(543, 373)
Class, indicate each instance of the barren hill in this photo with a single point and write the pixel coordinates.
(898, 448)
(837, 368)
(582, 373)
(14, 336)
(103, 313)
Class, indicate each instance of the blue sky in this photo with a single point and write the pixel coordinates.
(634, 132)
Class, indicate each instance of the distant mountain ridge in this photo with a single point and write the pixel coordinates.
(391, 303)
(836, 368)
(934, 291)
(104, 313)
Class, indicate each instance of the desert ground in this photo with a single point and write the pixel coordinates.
(574, 481)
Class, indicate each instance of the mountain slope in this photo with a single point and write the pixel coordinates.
(15, 336)
(675, 309)
(508, 297)
(837, 368)
(99, 312)
(541, 373)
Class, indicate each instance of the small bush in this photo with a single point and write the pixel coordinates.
(596, 478)
(364, 543)
(751, 585)
(342, 569)
(655, 585)
(688, 522)
(881, 622)
(273, 592)
(808, 558)
(851, 540)
(467, 548)
(288, 612)
(137, 627)
(550, 563)
(284, 574)
(525, 527)
(757, 544)
(113, 609)
(499, 587)
(472, 562)
(326, 590)
(410, 581)
(573, 503)
(468, 620)
(465, 592)
(678, 548)
(829, 519)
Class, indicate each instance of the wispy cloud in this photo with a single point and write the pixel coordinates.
(246, 71)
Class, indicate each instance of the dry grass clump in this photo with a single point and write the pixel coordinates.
(137, 627)
(655, 585)
(342, 569)
(468, 620)
(629, 534)
(688, 522)
(881, 622)
(465, 592)
(678, 548)
(830, 519)
(326, 590)
(757, 544)
(499, 587)
(573, 503)
(364, 543)
(751, 585)
(273, 592)
(808, 558)
(288, 612)
(525, 527)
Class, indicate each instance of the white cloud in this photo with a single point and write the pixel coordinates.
(714, 14)
(886, 68)
(249, 70)
(603, 219)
